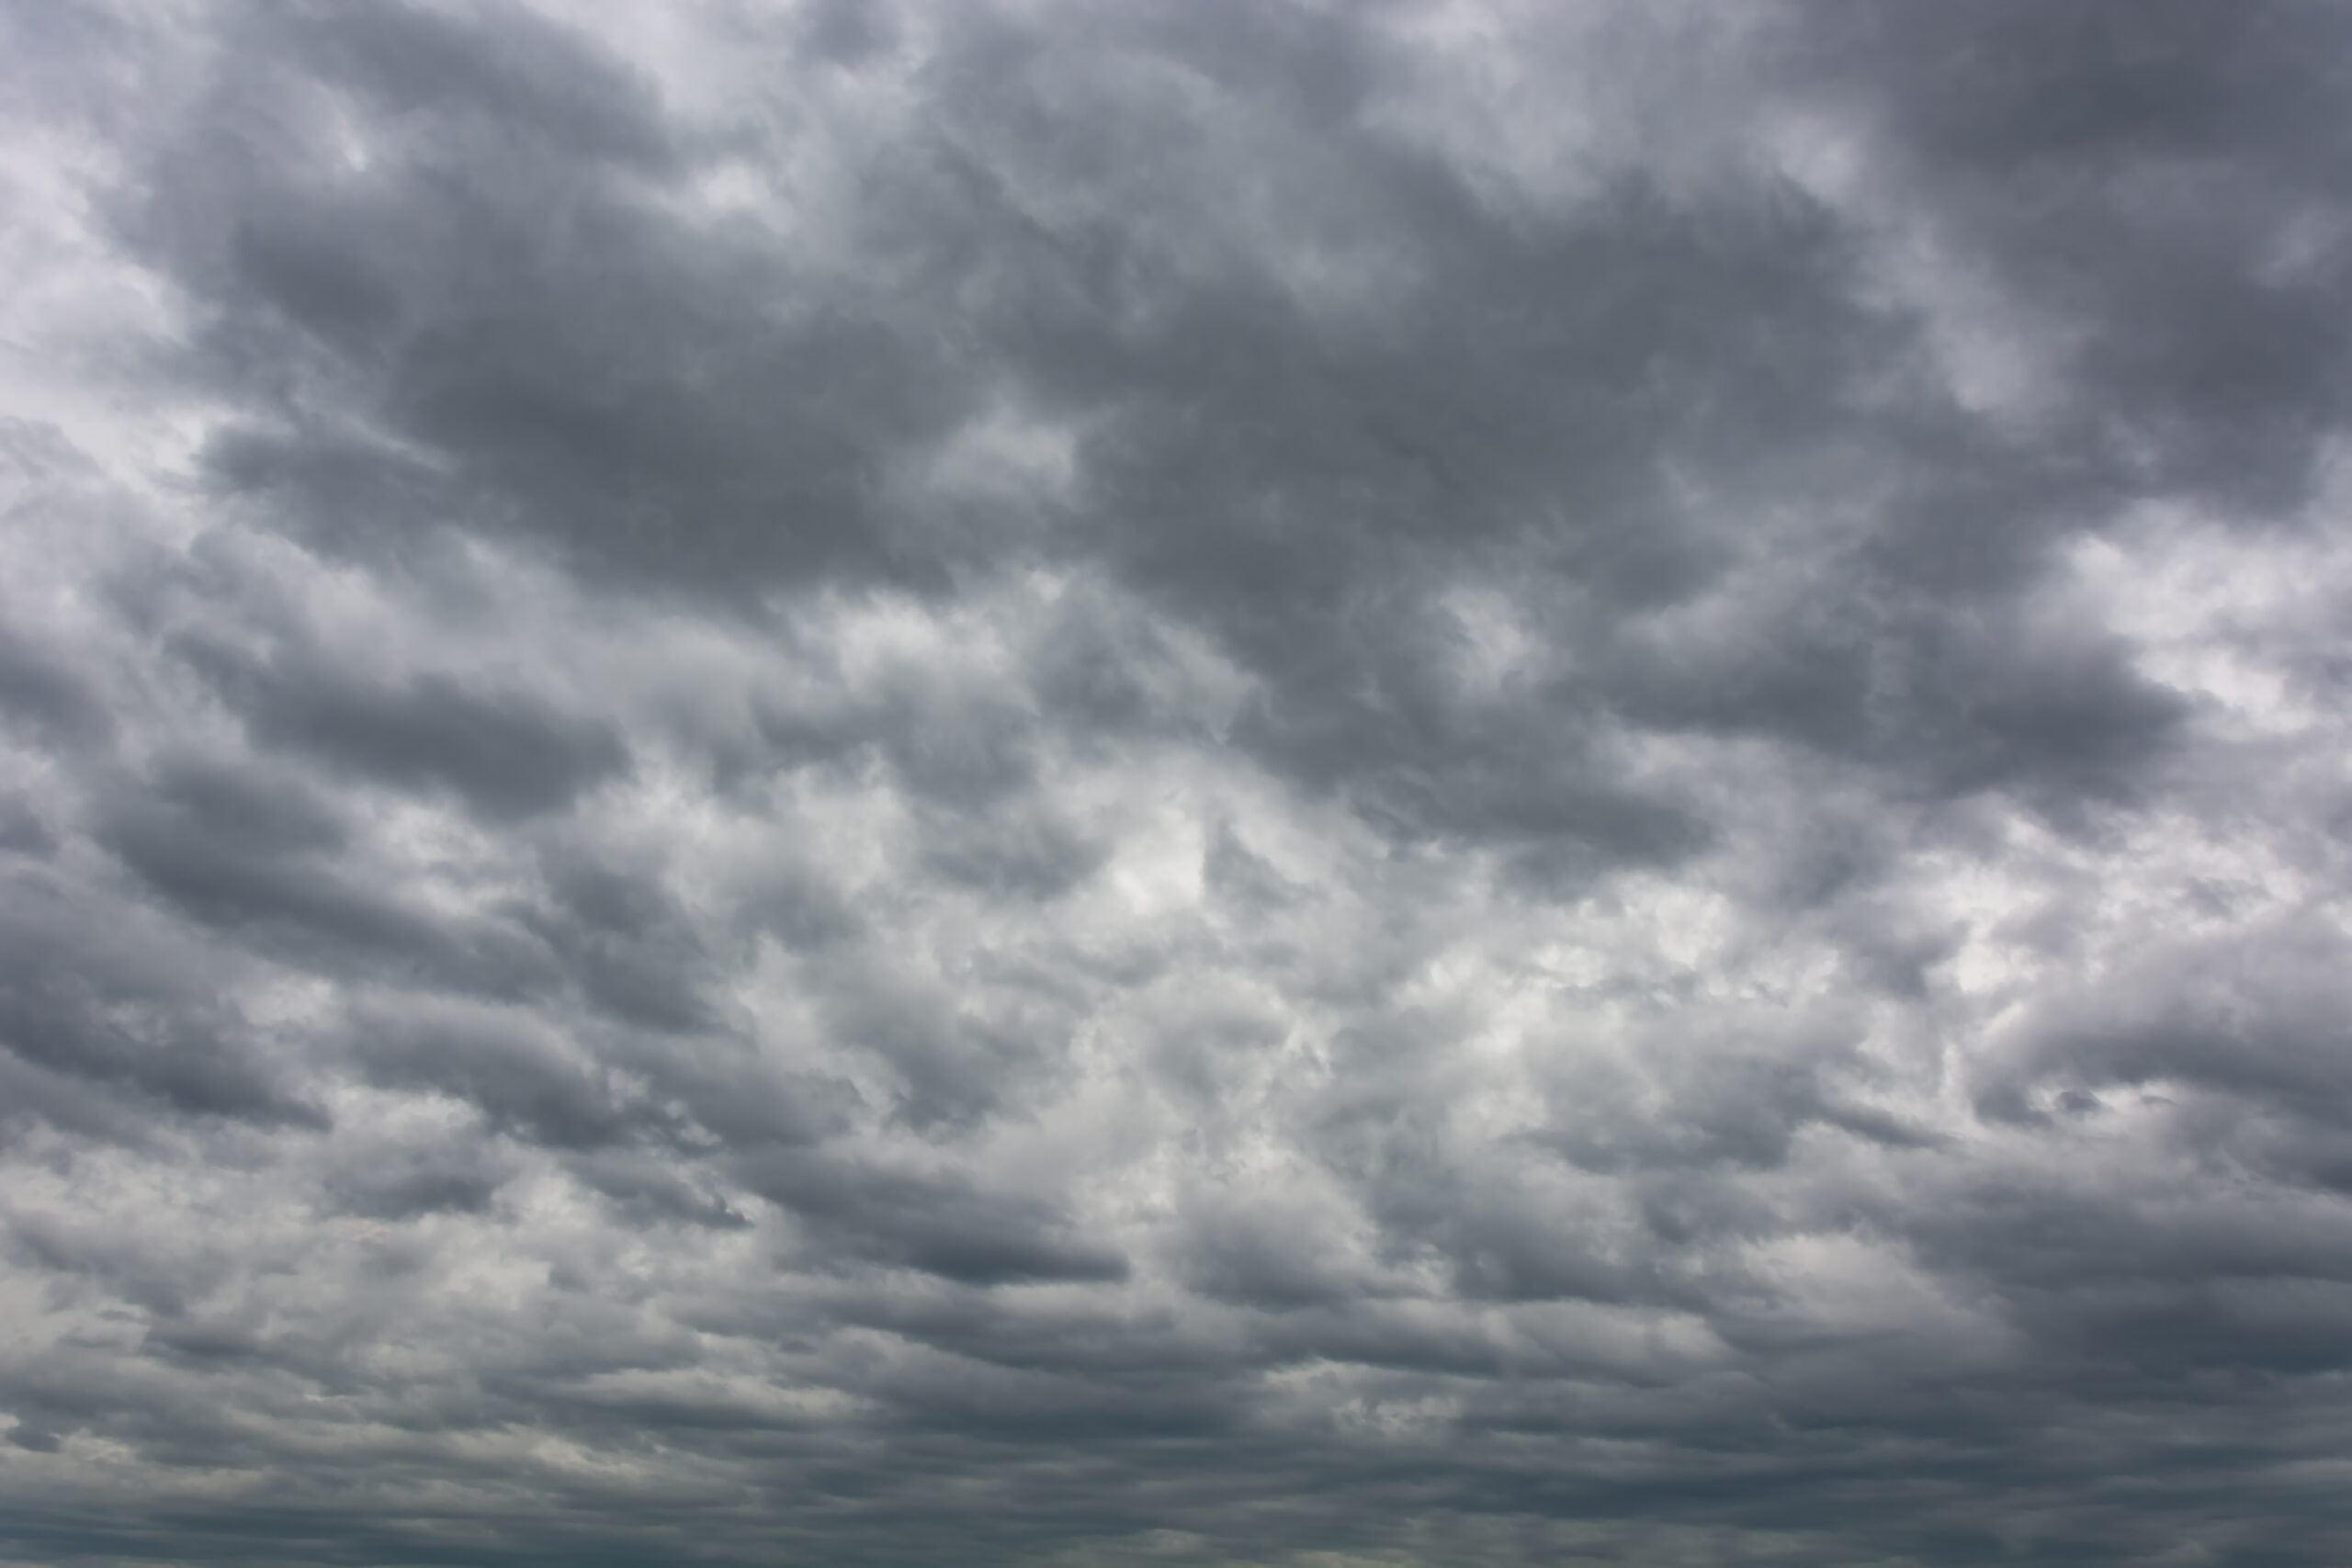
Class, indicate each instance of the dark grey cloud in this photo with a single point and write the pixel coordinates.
(1271, 783)
(506, 754)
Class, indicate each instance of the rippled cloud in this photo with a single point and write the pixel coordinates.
(1244, 783)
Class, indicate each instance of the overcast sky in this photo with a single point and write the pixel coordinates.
(1208, 782)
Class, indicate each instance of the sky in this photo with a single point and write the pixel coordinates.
(1401, 785)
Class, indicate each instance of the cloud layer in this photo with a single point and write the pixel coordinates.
(1420, 784)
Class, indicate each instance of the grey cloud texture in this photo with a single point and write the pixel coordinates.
(1408, 785)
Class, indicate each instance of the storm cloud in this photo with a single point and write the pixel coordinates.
(1252, 782)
